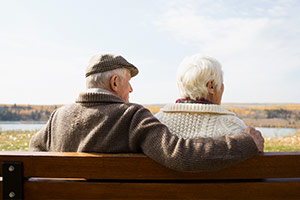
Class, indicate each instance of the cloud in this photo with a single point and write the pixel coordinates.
(211, 34)
(263, 45)
(190, 25)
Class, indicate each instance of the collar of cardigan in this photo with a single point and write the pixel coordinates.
(98, 97)
(195, 108)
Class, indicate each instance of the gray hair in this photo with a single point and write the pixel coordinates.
(195, 72)
(101, 80)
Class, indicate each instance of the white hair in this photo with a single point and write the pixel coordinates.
(195, 72)
(101, 80)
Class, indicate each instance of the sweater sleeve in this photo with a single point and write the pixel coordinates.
(41, 140)
(229, 125)
(200, 154)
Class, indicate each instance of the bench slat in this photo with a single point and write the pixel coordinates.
(140, 167)
(90, 190)
(135, 176)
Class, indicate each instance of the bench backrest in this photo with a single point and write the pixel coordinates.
(135, 176)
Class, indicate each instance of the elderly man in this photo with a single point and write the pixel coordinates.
(103, 120)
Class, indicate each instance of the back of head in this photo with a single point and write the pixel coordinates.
(101, 79)
(195, 72)
(101, 67)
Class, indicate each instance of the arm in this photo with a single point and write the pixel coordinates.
(229, 125)
(199, 154)
(41, 140)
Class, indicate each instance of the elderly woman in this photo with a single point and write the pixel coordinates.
(198, 113)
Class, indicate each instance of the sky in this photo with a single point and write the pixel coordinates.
(45, 46)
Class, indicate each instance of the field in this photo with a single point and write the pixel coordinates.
(19, 141)
(15, 140)
(283, 144)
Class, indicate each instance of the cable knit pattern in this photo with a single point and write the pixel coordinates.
(188, 120)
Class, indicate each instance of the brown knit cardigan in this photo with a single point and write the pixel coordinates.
(104, 123)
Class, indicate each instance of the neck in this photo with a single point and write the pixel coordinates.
(97, 90)
(189, 100)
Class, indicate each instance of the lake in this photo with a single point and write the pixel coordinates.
(277, 132)
(20, 125)
(35, 126)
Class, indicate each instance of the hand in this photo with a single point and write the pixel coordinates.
(257, 137)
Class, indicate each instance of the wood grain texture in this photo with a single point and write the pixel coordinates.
(140, 167)
(135, 176)
(90, 190)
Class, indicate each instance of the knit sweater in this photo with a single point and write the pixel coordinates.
(104, 123)
(189, 120)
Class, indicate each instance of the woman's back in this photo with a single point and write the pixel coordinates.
(190, 120)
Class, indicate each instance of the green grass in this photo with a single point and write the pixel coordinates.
(281, 148)
(283, 144)
(15, 140)
(19, 141)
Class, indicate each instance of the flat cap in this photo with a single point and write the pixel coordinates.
(107, 62)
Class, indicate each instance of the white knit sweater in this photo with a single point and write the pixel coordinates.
(188, 120)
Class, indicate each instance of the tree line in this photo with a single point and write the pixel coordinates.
(284, 116)
(268, 113)
(14, 112)
(26, 112)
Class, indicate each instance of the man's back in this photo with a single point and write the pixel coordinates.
(98, 122)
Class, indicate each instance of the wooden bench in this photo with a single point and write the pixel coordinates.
(30, 175)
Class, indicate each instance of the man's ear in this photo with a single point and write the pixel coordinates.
(113, 83)
(211, 87)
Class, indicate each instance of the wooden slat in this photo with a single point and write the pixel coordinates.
(140, 167)
(80, 190)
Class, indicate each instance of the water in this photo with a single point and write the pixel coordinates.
(34, 126)
(24, 126)
(277, 132)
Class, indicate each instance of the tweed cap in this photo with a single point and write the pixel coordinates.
(107, 62)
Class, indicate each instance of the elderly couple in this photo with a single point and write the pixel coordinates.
(193, 134)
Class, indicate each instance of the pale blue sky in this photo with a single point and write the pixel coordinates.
(46, 45)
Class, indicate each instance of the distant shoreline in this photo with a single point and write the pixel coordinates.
(23, 122)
